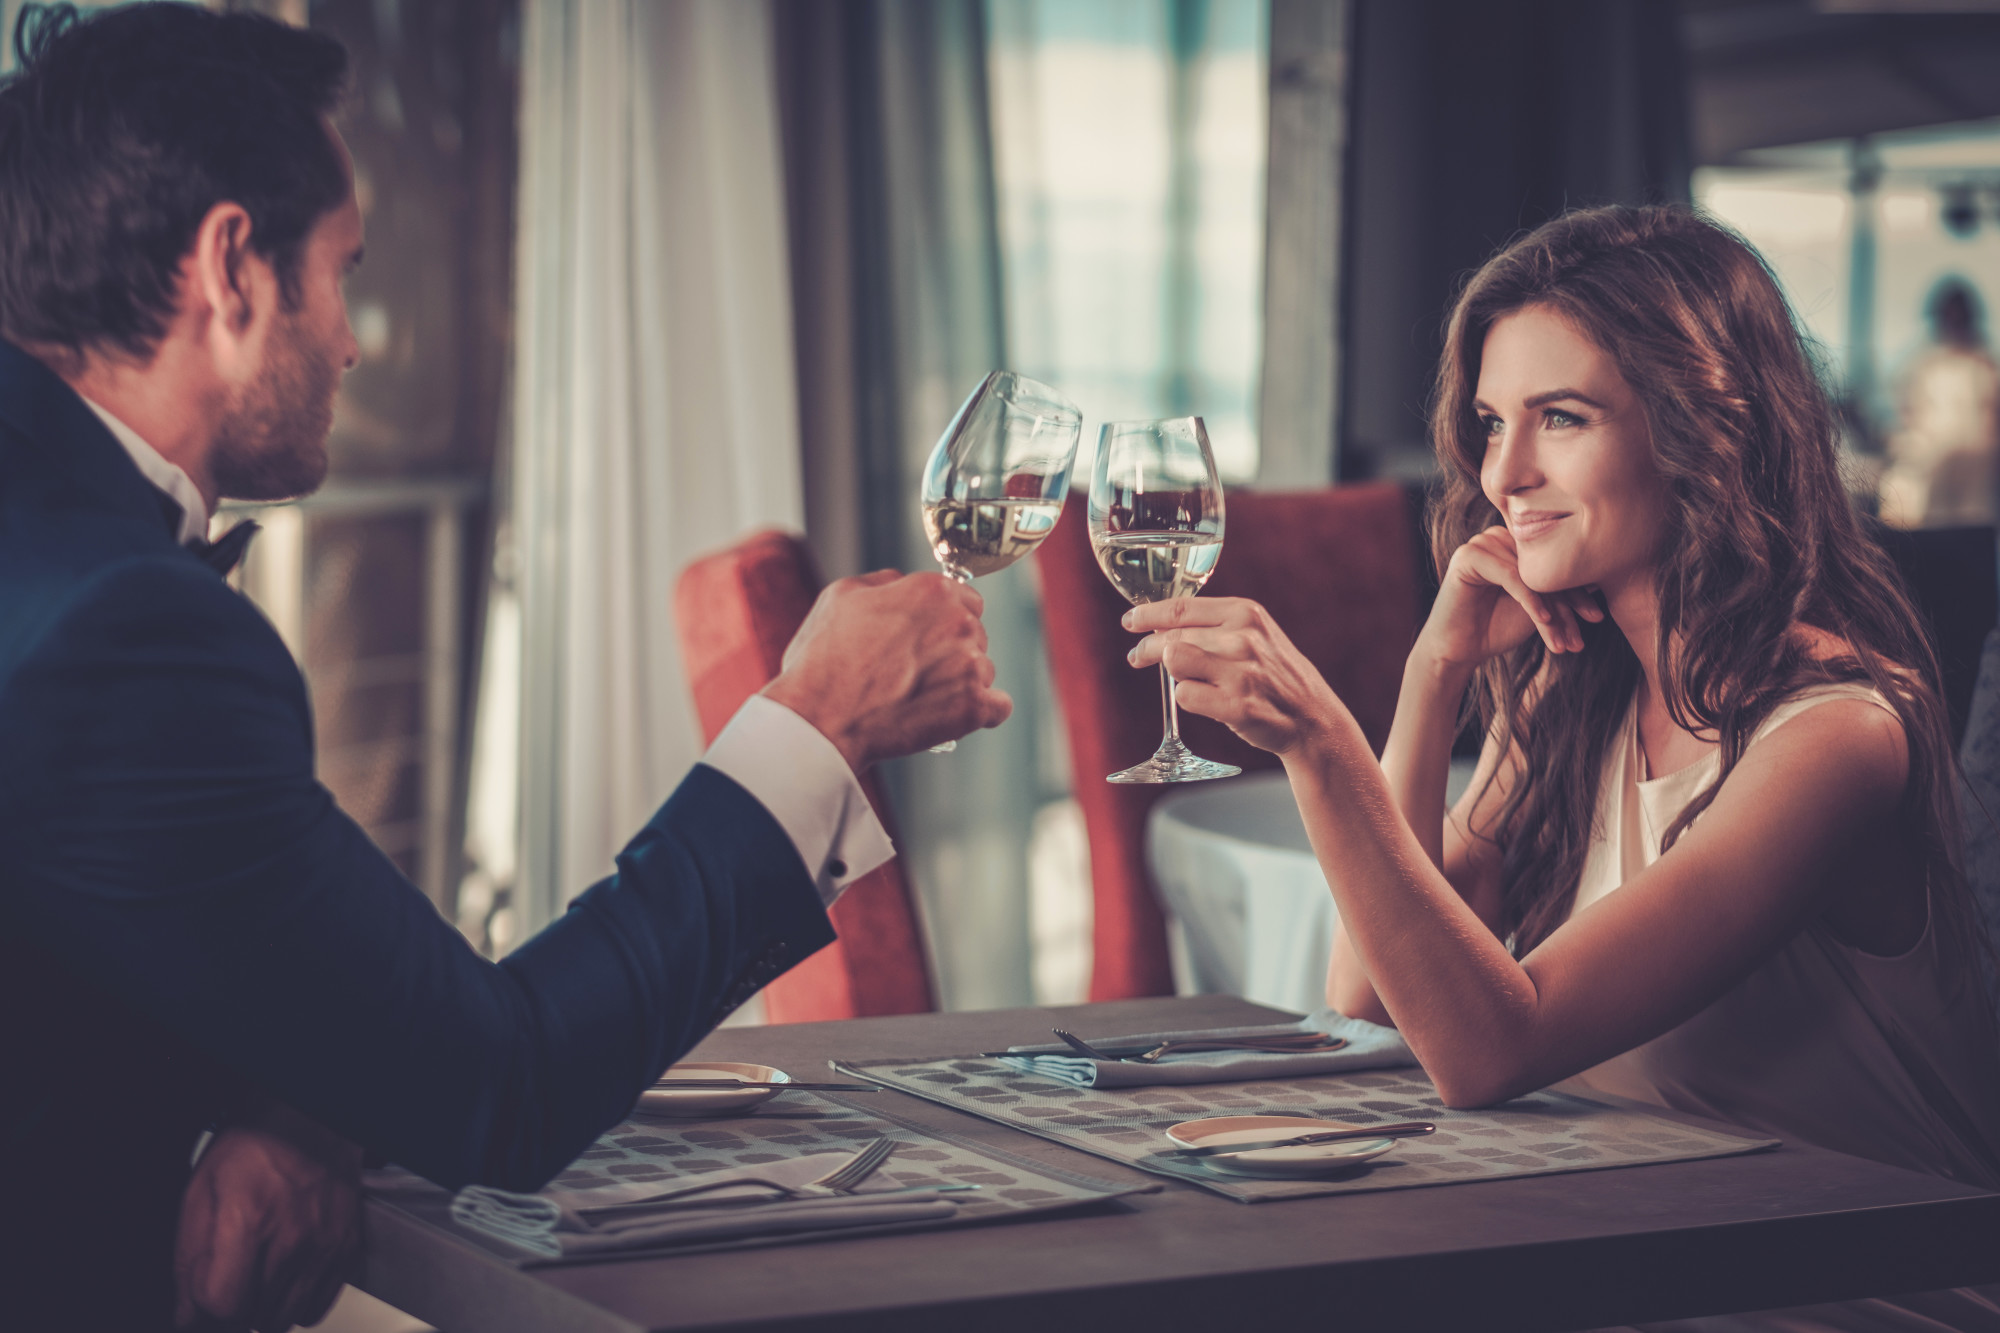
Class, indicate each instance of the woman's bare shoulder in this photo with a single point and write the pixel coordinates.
(1823, 647)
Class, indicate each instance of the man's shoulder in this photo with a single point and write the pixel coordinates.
(71, 582)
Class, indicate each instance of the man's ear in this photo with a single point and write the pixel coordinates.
(234, 287)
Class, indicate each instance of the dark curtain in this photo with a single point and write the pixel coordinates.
(1475, 120)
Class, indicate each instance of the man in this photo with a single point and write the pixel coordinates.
(192, 935)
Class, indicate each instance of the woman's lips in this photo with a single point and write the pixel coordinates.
(1533, 523)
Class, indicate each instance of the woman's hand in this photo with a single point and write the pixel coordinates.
(1483, 609)
(1231, 662)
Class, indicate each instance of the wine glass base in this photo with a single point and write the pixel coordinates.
(944, 747)
(1174, 762)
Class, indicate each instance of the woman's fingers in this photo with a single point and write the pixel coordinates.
(1492, 557)
(1491, 561)
(1232, 644)
(1231, 661)
(1186, 660)
(1190, 613)
(1585, 603)
(1184, 657)
(1198, 696)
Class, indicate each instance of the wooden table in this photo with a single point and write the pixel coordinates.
(1791, 1226)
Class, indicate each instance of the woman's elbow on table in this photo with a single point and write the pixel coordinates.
(1490, 1067)
(1469, 1090)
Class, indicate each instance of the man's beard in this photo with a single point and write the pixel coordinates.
(271, 445)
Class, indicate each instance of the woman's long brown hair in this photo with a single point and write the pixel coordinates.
(1760, 538)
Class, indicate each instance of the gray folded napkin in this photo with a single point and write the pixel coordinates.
(554, 1224)
(1369, 1046)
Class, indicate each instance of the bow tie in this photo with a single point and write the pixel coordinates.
(225, 552)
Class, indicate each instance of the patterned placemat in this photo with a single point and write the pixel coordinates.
(1540, 1134)
(796, 1124)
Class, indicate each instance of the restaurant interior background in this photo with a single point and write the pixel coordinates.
(646, 275)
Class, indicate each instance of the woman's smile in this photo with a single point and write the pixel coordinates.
(1529, 524)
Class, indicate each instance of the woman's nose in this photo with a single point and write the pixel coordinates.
(1510, 463)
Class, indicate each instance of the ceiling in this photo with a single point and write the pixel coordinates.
(1765, 73)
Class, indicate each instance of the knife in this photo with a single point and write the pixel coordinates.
(1127, 1052)
(1402, 1129)
(743, 1201)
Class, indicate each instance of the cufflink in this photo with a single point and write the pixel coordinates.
(836, 869)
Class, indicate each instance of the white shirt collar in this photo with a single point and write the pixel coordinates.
(194, 513)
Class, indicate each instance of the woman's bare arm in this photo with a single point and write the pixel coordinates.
(1416, 763)
(1803, 805)
(1482, 610)
(1745, 878)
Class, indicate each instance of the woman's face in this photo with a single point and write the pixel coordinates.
(1569, 460)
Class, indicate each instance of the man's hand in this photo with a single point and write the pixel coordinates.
(270, 1226)
(888, 663)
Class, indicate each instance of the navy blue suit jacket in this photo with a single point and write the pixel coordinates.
(185, 913)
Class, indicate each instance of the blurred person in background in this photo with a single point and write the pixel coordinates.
(1941, 466)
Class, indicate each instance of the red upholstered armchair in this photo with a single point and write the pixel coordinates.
(1338, 568)
(736, 610)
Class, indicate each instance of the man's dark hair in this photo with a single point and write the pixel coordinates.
(121, 130)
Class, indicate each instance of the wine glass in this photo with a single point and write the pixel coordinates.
(1156, 528)
(995, 484)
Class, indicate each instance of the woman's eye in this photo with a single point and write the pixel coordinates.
(1556, 419)
(1493, 426)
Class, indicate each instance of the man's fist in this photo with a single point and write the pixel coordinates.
(887, 664)
(270, 1225)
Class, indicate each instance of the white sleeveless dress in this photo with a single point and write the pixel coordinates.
(1822, 1044)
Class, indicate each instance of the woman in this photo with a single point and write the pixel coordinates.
(1710, 856)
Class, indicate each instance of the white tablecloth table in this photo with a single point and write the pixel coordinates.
(1250, 910)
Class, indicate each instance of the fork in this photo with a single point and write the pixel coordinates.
(1300, 1043)
(844, 1178)
(841, 1180)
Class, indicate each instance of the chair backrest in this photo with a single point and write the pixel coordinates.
(1337, 567)
(1950, 575)
(736, 610)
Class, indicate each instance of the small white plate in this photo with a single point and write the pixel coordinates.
(1311, 1159)
(711, 1101)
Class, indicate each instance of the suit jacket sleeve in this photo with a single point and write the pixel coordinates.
(167, 839)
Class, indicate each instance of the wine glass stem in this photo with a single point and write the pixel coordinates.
(1170, 712)
(956, 575)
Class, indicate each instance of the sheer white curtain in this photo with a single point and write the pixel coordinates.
(654, 416)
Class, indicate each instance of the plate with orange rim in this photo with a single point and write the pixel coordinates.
(664, 1099)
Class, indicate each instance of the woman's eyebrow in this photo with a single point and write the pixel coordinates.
(1544, 399)
(1559, 395)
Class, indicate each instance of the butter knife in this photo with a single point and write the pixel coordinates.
(739, 1085)
(1402, 1129)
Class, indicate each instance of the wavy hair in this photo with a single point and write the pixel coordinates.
(1760, 538)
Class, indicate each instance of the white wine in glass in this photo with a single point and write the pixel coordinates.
(1156, 566)
(995, 484)
(1156, 528)
(971, 538)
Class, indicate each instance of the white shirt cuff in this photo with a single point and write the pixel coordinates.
(800, 777)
